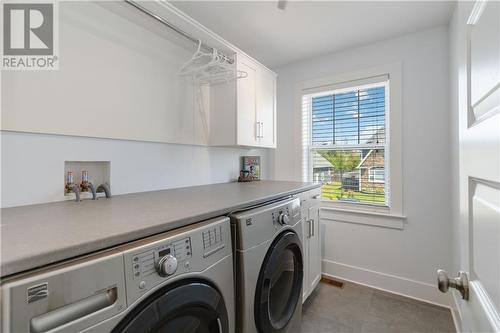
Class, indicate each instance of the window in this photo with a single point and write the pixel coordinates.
(377, 175)
(347, 141)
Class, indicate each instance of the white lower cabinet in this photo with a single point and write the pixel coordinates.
(311, 242)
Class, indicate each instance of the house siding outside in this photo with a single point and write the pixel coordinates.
(375, 158)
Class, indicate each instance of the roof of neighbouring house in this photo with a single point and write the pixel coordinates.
(379, 133)
(361, 166)
(320, 162)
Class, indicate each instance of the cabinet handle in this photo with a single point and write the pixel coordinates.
(262, 129)
(259, 130)
(312, 223)
(309, 228)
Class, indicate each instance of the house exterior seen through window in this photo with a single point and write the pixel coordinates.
(377, 174)
(348, 143)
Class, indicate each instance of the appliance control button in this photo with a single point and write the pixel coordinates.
(142, 284)
(187, 265)
(136, 259)
(283, 219)
(167, 265)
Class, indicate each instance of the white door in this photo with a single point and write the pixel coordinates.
(305, 253)
(247, 103)
(314, 275)
(266, 107)
(480, 170)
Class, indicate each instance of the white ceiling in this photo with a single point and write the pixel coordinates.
(307, 29)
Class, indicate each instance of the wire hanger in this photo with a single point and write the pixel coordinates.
(210, 68)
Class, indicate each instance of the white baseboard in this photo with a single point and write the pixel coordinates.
(387, 282)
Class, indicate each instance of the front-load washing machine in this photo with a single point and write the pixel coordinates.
(269, 267)
(178, 281)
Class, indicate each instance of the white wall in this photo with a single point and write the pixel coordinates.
(33, 165)
(403, 261)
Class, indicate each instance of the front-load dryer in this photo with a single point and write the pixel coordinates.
(269, 267)
(178, 281)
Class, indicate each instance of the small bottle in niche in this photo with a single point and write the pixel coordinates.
(69, 183)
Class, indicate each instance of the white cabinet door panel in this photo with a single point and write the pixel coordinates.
(247, 104)
(314, 251)
(266, 107)
(305, 254)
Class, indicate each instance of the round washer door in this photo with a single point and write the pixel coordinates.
(279, 287)
(193, 307)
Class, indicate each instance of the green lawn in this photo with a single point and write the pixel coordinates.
(332, 191)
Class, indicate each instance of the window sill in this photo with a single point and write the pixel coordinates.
(380, 218)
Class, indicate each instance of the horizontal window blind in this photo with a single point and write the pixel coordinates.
(348, 142)
(349, 118)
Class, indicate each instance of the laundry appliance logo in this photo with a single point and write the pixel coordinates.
(30, 38)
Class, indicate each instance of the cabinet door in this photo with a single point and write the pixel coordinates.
(247, 103)
(305, 254)
(266, 107)
(314, 251)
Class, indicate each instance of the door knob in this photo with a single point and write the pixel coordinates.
(461, 283)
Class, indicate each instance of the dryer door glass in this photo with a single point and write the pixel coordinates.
(279, 286)
(190, 308)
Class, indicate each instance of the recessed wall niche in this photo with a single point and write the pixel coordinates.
(98, 173)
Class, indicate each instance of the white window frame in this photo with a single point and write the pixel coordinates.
(371, 176)
(364, 83)
(359, 213)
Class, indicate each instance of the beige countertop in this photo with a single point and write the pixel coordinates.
(38, 235)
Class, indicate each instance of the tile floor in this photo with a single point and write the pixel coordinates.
(356, 308)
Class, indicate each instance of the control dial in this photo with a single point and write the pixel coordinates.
(283, 219)
(167, 265)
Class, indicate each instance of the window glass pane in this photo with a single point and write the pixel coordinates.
(355, 176)
(348, 118)
(322, 120)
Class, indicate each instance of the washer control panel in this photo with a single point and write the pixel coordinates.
(252, 227)
(212, 237)
(155, 261)
(162, 260)
(281, 216)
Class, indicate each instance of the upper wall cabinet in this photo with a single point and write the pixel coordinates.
(118, 78)
(266, 107)
(244, 114)
(121, 76)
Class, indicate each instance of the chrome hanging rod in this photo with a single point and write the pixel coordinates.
(174, 28)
